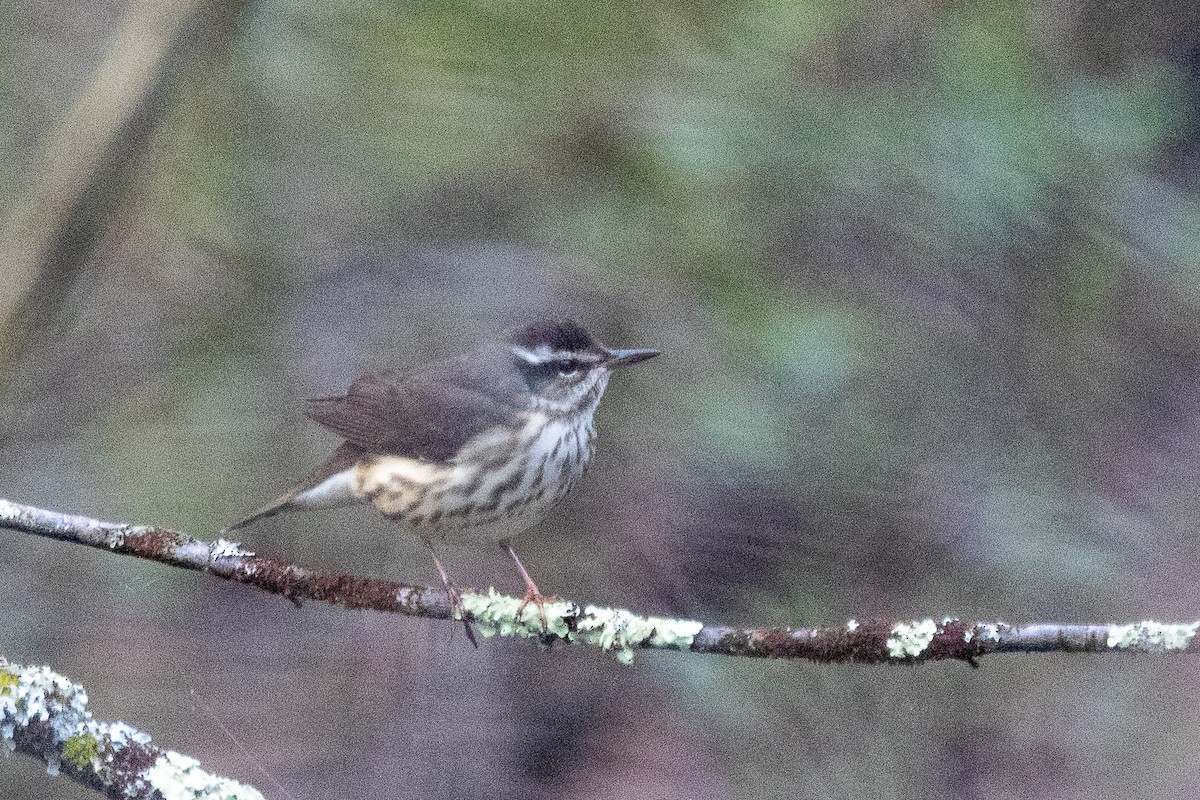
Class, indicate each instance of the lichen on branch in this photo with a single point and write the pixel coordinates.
(613, 630)
(46, 715)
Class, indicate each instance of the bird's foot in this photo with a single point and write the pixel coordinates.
(458, 612)
(532, 595)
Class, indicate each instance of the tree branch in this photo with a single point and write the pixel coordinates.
(45, 715)
(617, 631)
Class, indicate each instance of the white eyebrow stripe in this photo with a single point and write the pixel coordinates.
(543, 355)
(539, 356)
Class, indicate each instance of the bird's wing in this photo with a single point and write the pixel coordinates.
(422, 416)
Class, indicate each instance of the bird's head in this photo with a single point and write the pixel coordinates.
(564, 366)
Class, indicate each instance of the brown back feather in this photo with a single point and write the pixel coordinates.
(430, 414)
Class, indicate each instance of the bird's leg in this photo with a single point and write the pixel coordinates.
(532, 593)
(456, 608)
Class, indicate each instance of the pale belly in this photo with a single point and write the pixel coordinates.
(497, 488)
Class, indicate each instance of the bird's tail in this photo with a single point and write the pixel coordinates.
(331, 485)
(277, 506)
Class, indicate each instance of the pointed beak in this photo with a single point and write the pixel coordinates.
(620, 358)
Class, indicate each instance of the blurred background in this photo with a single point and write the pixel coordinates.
(927, 280)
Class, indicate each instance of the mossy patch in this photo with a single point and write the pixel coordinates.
(79, 751)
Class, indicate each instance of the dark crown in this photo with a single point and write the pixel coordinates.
(558, 335)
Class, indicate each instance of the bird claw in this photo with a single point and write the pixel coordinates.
(458, 612)
(539, 600)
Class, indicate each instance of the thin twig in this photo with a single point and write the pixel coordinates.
(615, 630)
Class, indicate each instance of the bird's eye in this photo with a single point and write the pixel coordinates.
(538, 374)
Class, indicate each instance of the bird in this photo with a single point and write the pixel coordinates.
(470, 450)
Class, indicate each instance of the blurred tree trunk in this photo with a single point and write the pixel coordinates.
(75, 186)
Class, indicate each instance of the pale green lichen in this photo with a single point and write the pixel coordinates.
(39, 695)
(989, 630)
(1149, 636)
(909, 639)
(495, 614)
(613, 630)
(179, 777)
(224, 548)
(9, 510)
(30, 695)
(618, 631)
